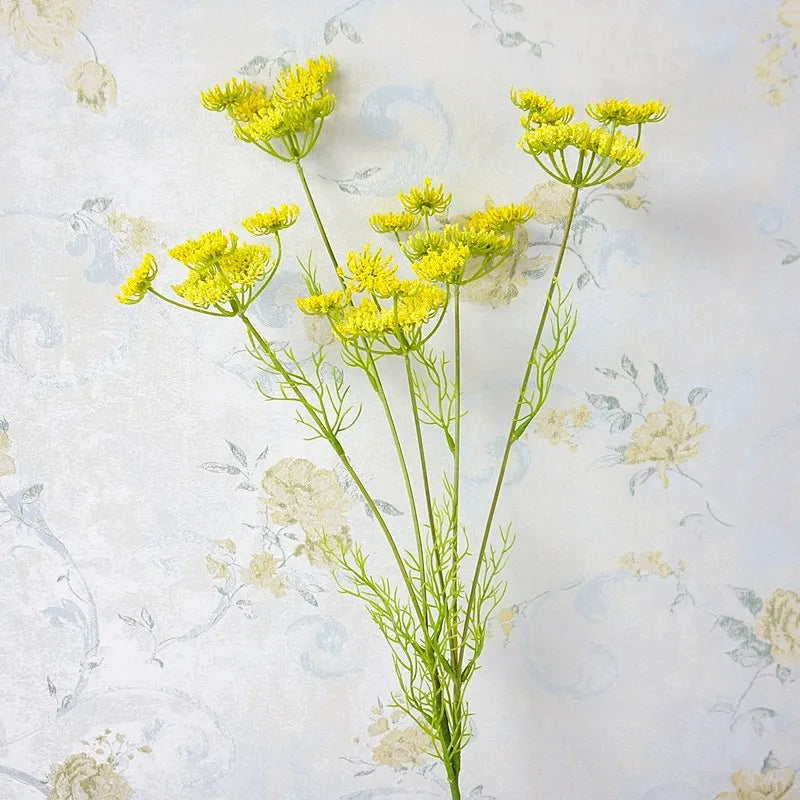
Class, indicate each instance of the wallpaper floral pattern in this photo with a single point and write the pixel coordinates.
(169, 624)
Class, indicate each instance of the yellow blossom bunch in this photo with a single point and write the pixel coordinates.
(426, 200)
(480, 241)
(623, 112)
(291, 113)
(423, 242)
(141, 279)
(204, 250)
(445, 265)
(272, 221)
(324, 304)
(501, 219)
(372, 272)
(598, 153)
(393, 222)
(541, 109)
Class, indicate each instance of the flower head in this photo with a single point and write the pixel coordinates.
(80, 777)
(373, 272)
(135, 288)
(779, 624)
(262, 572)
(221, 98)
(301, 83)
(203, 288)
(95, 85)
(393, 221)
(446, 264)
(480, 241)
(426, 200)
(265, 223)
(501, 219)
(319, 304)
(423, 242)
(204, 250)
(772, 784)
(541, 109)
(623, 112)
(245, 265)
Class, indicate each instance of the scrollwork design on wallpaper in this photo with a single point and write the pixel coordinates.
(488, 15)
(93, 765)
(49, 31)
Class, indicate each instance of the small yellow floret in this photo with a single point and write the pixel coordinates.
(135, 288)
(219, 98)
(297, 84)
(445, 265)
(500, 218)
(268, 222)
(418, 301)
(204, 250)
(541, 109)
(393, 221)
(321, 304)
(203, 288)
(623, 112)
(373, 272)
(426, 200)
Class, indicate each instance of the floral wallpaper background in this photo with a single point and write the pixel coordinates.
(169, 626)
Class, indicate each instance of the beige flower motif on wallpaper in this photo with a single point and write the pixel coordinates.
(297, 492)
(669, 437)
(775, 72)
(395, 741)
(7, 465)
(779, 625)
(80, 777)
(773, 784)
(558, 425)
(262, 573)
(48, 29)
(649, 563)
(95, 85)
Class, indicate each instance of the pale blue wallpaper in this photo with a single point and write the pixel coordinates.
(169, 624)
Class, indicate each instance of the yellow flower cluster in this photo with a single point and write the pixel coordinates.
(373, 272)
(542, 110)
(415, 303)
(423, 242)
(269, 222)
(426, 200)
(204, 250)
(219, 267)
(141, 279)
(501, 219)
(650, 563)
(393, 222)
(480, 241)
(623, 112)
(319, 304)
(617, 147)
(446, 264)
(297, 104)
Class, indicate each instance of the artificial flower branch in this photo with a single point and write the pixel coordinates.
(437, 628)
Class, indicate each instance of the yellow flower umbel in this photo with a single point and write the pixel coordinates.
(426, 200)
(272, 221)
(500, 219)
(372, 272)
(138, 284)
(394, 222)
(445, 265)
(286, 120)
(623, 112)
(541, 109)
(575, 153)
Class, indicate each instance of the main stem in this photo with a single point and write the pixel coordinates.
(314, 211)
(523, 389)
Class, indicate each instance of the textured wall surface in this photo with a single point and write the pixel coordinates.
(648, 647)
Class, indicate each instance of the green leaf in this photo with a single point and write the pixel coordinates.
(697, 395)
(238, 453)
(621, 422)
(782, 673)
(749, 599)
(659, 381)
(32, 493)
(213, 466)
(628, 366)
(753, 653)
(735, 628)
(609, 373)
(603, 402)
(639, 478)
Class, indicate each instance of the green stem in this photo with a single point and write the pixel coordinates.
(314, 211)
(340, 452)
(456, 489)
(510, 439)
(181, 305)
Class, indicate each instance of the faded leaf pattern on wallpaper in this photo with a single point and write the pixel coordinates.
(170, 626)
